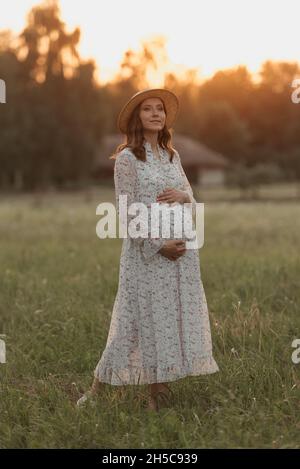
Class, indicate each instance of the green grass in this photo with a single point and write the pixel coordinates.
(58, 281)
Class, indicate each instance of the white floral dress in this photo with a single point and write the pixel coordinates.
(160, 329)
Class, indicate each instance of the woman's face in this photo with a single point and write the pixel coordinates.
(152, 114)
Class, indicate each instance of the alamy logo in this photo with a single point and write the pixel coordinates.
(296, 353)
(295, 97)
(2, 92)
(2, 351)
(148, 222)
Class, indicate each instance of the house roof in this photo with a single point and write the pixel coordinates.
(192, 153)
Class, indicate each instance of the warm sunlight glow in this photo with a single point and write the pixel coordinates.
(204, 34)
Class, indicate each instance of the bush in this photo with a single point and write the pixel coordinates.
(262, 173)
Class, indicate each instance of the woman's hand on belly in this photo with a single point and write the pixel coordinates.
(173, 195)
(173, 249)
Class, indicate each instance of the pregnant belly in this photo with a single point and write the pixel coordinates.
(174, 222)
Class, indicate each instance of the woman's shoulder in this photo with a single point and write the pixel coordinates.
(126, 153)
(176, 156)
(125, 159)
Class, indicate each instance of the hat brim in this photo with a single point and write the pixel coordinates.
(170, 100)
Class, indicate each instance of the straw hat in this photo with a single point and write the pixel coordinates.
(168, 97)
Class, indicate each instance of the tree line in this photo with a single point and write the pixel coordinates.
(56, 114)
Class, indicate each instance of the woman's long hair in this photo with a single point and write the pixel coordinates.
(135, 138)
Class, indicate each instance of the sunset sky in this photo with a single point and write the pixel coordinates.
(203, 34)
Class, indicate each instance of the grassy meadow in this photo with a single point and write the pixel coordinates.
(58, 281)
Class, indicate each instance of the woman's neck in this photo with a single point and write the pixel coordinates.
(152, 139)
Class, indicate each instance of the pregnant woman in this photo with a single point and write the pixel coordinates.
(160, 329)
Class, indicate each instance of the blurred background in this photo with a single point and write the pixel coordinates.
(68, 68)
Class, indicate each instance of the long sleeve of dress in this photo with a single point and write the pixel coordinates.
(187, 187)
(125, 179)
